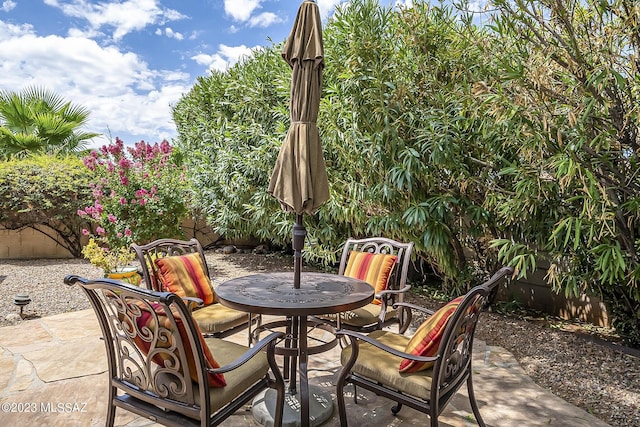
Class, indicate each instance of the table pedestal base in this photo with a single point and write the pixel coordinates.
(320, 407)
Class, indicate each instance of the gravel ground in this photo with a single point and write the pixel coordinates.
(588, 373)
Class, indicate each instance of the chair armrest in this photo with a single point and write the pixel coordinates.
(269, 340)
(393, 291)
(192, 302)
(355, 336)
(414, 307)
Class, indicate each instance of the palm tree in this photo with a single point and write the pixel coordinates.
(37, 120)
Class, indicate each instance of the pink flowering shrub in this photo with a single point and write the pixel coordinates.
(139, 192)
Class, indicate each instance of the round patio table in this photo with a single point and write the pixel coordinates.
(274, 294)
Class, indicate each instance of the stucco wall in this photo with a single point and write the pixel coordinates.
(533, 292)
(30, 244)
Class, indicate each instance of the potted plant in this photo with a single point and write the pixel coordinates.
(114, 262)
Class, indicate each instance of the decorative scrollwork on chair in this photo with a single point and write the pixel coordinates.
(163, 368)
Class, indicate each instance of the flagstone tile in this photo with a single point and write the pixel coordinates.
(26, 334)
(73, 359)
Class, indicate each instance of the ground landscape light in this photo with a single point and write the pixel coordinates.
(21, 300)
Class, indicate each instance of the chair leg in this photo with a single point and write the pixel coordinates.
(277, 418)
(344, 342)
(395, 409)
(254, 334)
(434, 413)
(342, 410)
(250, 344)
(111, 410)
(474, 403)
(404, 320)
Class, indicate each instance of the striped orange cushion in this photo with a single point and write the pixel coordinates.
(185, 276)
(375, 269)
(426, 340)
(146, 319)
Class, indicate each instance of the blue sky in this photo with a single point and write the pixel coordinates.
(128, 61)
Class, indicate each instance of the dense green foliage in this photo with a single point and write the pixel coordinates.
(380, 162)
(232, 125)
(569, 91)
(514, 143)
(39, 121)
(408, 160)
(45, 190)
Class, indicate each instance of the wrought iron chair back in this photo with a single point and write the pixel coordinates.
(147, 254)
(397, 284)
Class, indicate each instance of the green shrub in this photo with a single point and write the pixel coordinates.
(500, 144)
(45, 190)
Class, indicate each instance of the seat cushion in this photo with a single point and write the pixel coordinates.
(360, 317)
(380, 366)
(217, 318)
(375, 269)
(145, 319)
(427, 338)
(186, 276)
(238, 380)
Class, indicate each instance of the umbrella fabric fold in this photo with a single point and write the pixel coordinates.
(299, 179)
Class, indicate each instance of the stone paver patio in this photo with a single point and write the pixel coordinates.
(53, 373)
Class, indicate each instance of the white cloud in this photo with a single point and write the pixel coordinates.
(172, 34)
(122, 93)
(479, 5)
(89, 33)
(8, 5)
(10, 30)
(404, 3)
(124, 17)
(264, 20)
(226, 57)
(327, 6)
(241, 10)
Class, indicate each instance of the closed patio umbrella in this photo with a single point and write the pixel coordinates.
(299, 179)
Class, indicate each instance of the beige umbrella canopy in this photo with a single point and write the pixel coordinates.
(299, 179)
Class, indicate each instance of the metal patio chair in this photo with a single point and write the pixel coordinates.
(381, 312)
(423, 373)
(214, 319)
(162, 368)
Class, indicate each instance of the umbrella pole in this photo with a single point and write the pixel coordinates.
(299, 235)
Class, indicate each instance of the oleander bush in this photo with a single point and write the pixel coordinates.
(510, 142)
